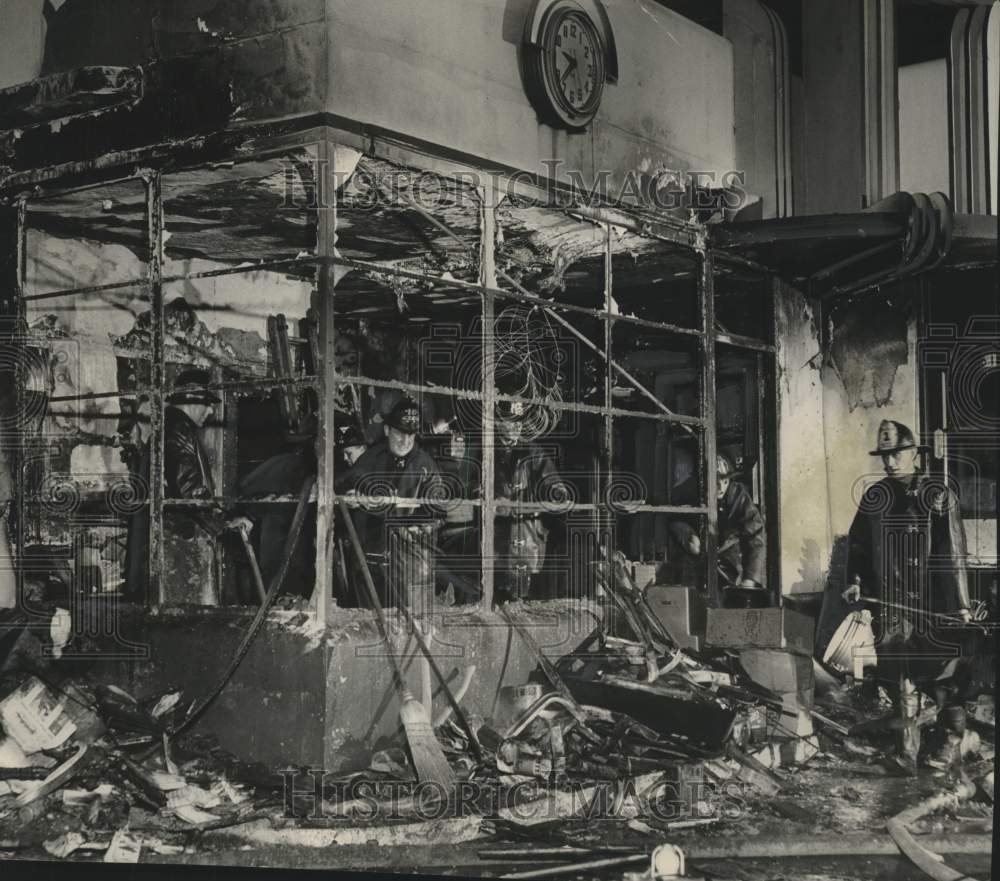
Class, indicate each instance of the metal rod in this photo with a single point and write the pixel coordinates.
(422, 501)
(142, 284)
(322, 598)
(241, 269)
(547, 307)
(736, 341)
(914, 611)
(575, 868)
(566, 406)
(706, 297)
(154, 207)
(487, 278)
(267, 383)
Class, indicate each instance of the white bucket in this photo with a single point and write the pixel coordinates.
(852, 647)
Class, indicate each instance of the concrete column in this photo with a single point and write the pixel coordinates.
(881, 91)
(833, 90)
(762, 84)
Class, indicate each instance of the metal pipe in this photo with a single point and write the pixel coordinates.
(574, 868)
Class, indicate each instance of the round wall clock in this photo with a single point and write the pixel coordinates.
(564, 58)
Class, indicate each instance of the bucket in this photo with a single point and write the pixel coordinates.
(852, 647)
(516, 700)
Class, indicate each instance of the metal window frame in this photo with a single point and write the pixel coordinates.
(689, 238)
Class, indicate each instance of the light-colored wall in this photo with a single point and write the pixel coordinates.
(923, 127)
(760, 102)
(804, 515)
(448, 72)
(851, 420)
(835, 386)
(23, 30)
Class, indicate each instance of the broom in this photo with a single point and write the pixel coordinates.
(428, 757)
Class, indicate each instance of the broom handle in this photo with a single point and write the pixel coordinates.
(258, 579)
(452, 701)
(459, 714)
(366, 574)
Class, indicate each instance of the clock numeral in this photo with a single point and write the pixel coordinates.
(558, 40)
(572, 30)
(586, 51)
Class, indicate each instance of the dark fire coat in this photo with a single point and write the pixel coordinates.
(402, 560)
(189, 534)
(741, 535)
(524, 473)
(907, 546)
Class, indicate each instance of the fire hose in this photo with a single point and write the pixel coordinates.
(979, 615)
(291, 540)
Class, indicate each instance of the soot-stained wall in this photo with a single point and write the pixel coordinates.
(447, 72)
(842, 369)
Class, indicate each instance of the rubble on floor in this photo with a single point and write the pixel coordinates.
(621, 747)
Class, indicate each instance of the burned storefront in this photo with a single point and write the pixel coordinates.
(467, 433)
(303, 328)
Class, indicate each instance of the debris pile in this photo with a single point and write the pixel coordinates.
(628, 754)
(88, 769)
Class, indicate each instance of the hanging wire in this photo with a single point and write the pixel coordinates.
(528, 365)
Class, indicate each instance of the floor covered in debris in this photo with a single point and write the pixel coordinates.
(557, 789)
(829, 800)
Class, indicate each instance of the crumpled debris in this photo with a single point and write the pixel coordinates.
(125, 847)
(96, 785)
(64, 845)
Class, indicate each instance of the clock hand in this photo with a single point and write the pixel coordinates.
(573, 64)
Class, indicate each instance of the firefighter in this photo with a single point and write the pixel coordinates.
(398, 538)
(523, 473)
(906, 561)
(741, 539)
(458, 542)
(189, 534)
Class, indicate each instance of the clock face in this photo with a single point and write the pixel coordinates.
(575, 56)
(565, 69)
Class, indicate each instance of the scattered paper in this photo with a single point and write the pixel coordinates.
(34, 717)
(167, 782)
(125, 847)
(165, 704)
(194, 816)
